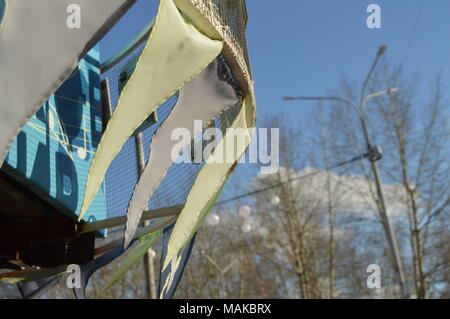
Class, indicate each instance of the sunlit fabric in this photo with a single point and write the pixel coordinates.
(135, 254)
(203, 99)
(208, 185)
(175, 53)
(140, 246)
(40, 47)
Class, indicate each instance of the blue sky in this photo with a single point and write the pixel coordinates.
(304, 47)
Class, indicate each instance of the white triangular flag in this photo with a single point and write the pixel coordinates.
(203, 99)
(41, 42)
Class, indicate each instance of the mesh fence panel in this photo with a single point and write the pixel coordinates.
(233, 15)
(229, 18)
(122, 175)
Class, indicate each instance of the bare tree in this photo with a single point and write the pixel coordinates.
(415, 135)
(412, 127)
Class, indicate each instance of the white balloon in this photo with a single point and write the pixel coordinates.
(245, 211)
(275, 200)
(263, 232)
(246, 228)
(213, 219)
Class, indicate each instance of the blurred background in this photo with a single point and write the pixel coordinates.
(363, 179)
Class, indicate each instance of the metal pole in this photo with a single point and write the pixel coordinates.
(149, 265)
(390, 234)
(106, 103)
(392, 241)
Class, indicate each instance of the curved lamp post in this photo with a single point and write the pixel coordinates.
(374, 156)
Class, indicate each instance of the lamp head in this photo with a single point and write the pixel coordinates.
(381, 50)
(393, 90)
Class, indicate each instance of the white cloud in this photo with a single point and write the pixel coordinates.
(349, 193)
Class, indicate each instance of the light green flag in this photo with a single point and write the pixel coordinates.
(134, 255)
(175, 53)
(210, 181)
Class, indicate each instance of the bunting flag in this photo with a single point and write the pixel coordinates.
(41, 43)
(146, 238)
(209, 182)
(208, 95)
(135, 253)
(171, 276)
(175, 53)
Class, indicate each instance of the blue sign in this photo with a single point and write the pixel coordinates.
(55, 148)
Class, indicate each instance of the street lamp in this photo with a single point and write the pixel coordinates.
(374, 154)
